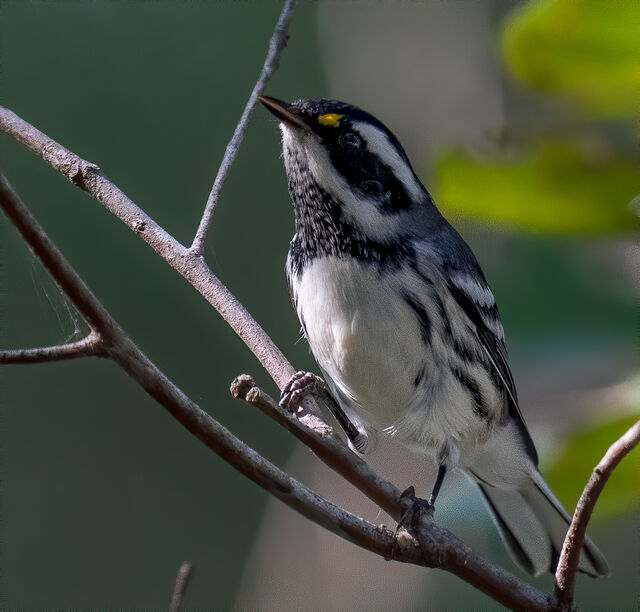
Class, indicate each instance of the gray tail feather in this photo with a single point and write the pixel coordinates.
(533, 525)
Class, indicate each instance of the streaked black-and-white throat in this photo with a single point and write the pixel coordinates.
(365, 209)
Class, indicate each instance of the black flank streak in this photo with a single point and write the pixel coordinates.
(474, 391)
(418, 379)
(462, 351)
(498, 353)
(490, 312)
(495, 378)
(423, 317)
(446, 324)
(470, 308)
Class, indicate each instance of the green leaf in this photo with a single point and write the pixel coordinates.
(572, 468)
(556, 188)
(585, 49)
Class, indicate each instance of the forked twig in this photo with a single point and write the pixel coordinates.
(90, 345)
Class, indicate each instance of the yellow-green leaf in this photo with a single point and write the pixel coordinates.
(586, 49)
(570, 471)
(556, 188)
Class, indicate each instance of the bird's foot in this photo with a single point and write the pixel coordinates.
(298, 386)
(414, 507)
(302, 384)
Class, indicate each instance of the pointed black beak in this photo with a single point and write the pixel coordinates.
(284, 111)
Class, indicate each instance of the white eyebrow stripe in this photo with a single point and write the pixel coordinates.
(379, 144)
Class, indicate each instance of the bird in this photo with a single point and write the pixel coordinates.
(403, 326)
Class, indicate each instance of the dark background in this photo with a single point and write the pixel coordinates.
(103, 494)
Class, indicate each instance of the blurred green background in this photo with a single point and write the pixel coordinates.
(519, 119)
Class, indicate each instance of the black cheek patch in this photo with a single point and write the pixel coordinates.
(369, 177)
(372, 188)
(375, 191)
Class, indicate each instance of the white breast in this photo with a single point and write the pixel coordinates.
(368, 341)
(363, 335)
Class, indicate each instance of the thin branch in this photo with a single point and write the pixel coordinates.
(277, 43)
(91, 345)
(180, 586)
(570, 556)
(192, 267)
(326, 446)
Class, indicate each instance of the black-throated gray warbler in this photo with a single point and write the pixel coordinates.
(400, 319)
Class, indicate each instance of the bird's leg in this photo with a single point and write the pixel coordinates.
(305, 383)
(353, 433)
(442, 470)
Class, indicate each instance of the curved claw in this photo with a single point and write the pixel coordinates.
(297, 387)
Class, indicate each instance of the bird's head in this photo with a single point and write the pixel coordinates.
(349, 154)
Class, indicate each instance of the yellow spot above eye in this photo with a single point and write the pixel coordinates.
(331, 119)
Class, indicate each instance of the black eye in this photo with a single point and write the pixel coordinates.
(349, 140)
(372, 189)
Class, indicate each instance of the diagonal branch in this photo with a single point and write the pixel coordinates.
(91, 345)
(277, 44)
(326, 446)
(570, 556)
